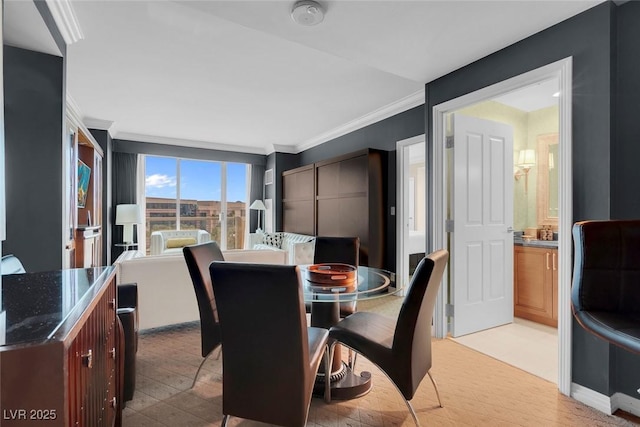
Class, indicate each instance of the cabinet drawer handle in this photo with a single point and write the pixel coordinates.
(547, 260)
(87, 359)
(554, 262)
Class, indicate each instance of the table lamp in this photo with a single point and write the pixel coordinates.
(258, 205)
(127, 215)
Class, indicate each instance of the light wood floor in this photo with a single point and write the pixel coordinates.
(476, 390)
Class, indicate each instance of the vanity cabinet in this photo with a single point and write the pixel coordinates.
(536, 284)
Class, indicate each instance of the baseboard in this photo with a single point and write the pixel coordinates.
(604, 403)
(592, 398)
(626, 403)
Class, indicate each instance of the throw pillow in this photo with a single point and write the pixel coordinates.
(273, 239)
(180, 242)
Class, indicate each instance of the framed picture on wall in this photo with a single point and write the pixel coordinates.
(84, 173)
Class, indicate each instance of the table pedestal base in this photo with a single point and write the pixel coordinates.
(345, 384)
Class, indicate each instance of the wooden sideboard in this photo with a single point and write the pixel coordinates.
(60, 358)
(536, 284)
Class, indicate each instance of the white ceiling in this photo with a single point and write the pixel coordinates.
(241, 75)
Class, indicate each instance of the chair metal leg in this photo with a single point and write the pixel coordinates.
(436, 387)
(225, 420)
(352, 359)
(413, 413)
(328, 358)
(409, 406)
(195, 379)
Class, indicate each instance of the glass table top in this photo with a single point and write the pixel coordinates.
(371, 283)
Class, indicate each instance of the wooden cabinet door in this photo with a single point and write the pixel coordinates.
(533, 296)
(554, 278)
(298, 200)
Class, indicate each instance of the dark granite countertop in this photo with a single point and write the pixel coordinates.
(549, 244)
(36, 305)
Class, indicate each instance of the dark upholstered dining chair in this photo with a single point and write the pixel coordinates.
(400, 347)
(128, 314)
(344, 250)
(605, 293)
(198, 258)
(270, 358)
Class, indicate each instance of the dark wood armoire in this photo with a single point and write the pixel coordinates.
(341, 196)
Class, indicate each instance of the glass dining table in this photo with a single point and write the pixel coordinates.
(325, 299)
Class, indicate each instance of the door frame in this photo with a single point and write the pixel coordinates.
(402, 175)
(562, 70)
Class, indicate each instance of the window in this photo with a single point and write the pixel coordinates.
(186, 194)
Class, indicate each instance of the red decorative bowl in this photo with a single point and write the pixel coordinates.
(329, 274)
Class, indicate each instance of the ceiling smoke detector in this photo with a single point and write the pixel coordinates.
(307, 13)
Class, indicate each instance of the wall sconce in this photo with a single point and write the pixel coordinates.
(526, 160)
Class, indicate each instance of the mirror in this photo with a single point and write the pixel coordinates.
(547, 192)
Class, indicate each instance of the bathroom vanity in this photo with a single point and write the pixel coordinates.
(535, 275)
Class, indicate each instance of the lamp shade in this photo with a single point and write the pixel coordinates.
(258, 205)
(527, 158)
(128, 214)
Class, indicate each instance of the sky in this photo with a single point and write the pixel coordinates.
(199, 180)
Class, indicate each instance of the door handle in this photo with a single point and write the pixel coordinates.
(554, 261)
(548, 260)
(509, 229)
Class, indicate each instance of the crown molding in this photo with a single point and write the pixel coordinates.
(93, 123)
(188, 143)
(382, 113)
(66, 20)
(73, 111)
(73, 114)
(290, 149)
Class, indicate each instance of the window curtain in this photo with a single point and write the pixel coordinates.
(256, 192)
(123, 192)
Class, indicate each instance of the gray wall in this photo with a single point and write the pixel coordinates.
(381, 135)
(126, 146)
(34, 111)
(625, 152)
(279, 162)
(602, 172)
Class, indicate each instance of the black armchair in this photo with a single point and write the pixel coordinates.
(128, 314)
(198, 258)
(605, 294)
(270, 357)
(400, 347)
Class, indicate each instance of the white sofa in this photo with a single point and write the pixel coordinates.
(298, 247)
(165, 290)
(172, 241)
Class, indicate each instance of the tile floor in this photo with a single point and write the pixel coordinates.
(527, 345)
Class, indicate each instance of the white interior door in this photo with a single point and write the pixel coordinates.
(482, 252)
(411, 212)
